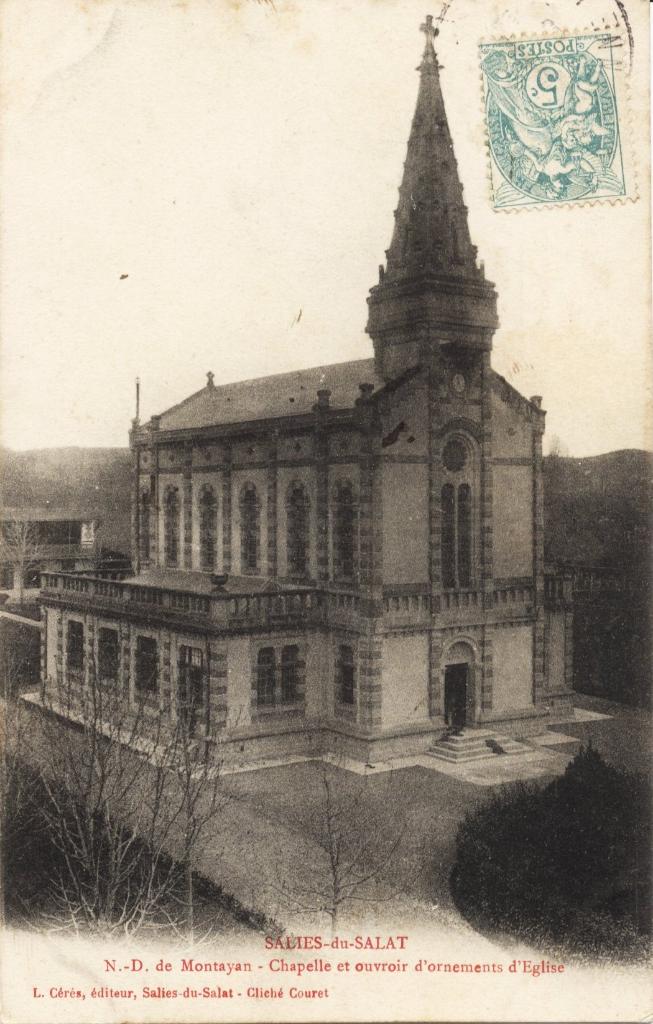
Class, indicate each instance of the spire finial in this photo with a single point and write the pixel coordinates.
(430, 32)
(209, 380)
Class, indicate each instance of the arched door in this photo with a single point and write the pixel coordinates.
(456, 680)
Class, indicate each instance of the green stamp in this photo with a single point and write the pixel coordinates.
(552, 121)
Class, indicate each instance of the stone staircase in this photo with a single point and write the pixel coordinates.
(474, 745)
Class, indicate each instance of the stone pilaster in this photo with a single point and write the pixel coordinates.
(43, 653)
(168, 677)
(126, 661)
(569, 632)
(271, 508)
(59, 658)
(539, 653)
(90, 659)
(322, 484)
(486, 672)
(188, 506)
(370, 515)
(155, 553)
(217, 687)
(435, 486)
(136, 510)
(486, 511)
(226, 512)
(436, 708)
(370, 690)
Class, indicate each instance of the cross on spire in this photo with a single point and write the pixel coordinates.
(430, 31)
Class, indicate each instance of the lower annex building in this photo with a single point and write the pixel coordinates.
(349, 556)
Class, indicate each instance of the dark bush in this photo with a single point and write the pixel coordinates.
(567, 866)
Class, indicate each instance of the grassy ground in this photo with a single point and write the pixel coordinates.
(261, 844)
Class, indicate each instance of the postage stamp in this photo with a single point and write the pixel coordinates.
(552, 120)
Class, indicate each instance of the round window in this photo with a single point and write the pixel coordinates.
(454, 456)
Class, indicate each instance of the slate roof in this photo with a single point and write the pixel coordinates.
(282, 394)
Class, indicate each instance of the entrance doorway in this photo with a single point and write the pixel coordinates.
(455, 696)
(190, 698)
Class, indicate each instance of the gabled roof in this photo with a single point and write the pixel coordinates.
(282, 394)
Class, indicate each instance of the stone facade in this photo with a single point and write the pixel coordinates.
(378, 570)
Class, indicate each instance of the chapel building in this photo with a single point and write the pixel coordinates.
(347, 557)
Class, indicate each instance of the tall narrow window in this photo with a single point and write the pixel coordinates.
(345, 523)
(208, 528)
(249, 529)
(265, 677)
(289, 673)
(75, 646)
(171, 526)
(464, 535)
(297, 511)
(448, 536)
(108, 655)
(346, 681)
(144, 526)
(147, 665)
(190, 693)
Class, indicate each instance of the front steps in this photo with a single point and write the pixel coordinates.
(474, 745)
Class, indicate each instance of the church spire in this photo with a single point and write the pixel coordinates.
(432, 291)
(431, 231)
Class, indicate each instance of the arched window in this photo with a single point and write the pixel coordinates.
(171, 526)
(457, 515)
(448, 536)
(249, 529)
(144, 526)
(208, 528)
(464, 535)
(345, 523)
(265, 677)
(297, 513)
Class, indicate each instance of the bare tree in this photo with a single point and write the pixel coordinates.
(358, 847)
(130, 798)
(194, 799)
(21, 547)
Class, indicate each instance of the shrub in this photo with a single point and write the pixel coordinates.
(565, 866)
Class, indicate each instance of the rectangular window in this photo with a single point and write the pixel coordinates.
(265, 677)
(289, 673)
(108, 654)
(191, 677)
(346, 675)
(147, 665)
(75, 646)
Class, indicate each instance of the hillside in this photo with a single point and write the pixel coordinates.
(597, 510)
(80, 478)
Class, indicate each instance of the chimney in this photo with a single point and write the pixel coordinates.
(155, 422)
(209, 379)
(323, 397)
(536, 400)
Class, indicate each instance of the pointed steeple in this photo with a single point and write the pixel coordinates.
(431, 231)
(432, 277)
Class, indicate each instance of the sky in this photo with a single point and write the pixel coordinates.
(182, 177)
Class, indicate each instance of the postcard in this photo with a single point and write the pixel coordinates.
(325, 520)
